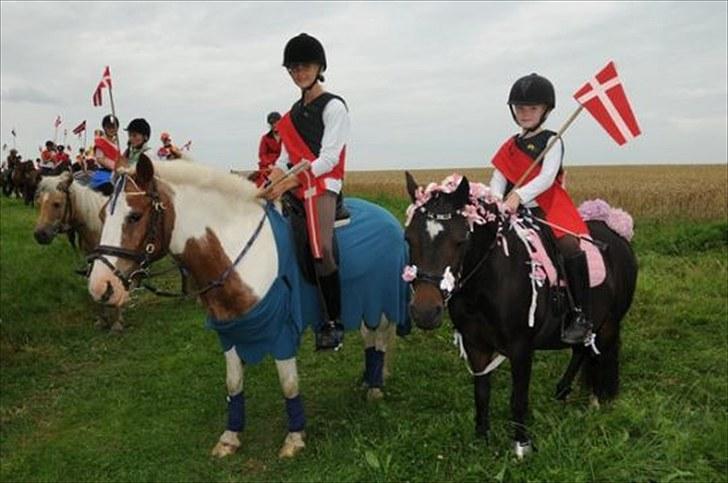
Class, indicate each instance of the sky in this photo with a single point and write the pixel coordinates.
(426, 83)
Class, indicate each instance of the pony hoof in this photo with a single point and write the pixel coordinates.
(101, 324)
(223, 449)
(117, 328)
(594, 402)
(292, 445)
(375, 394)
(562, 393)
(522, 450)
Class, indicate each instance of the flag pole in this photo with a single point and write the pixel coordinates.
(551, 143)
(65, 135)
(113, 113)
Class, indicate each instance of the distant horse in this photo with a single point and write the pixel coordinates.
(465, 249)
(239, 251)
(25, 180)
(69, 208)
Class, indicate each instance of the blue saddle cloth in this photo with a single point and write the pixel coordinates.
(372, 254)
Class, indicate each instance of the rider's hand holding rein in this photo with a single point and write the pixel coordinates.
(286, 185)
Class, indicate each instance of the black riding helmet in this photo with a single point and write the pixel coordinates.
(304, 49)
(109, 120)
(532, 90)
(140, 126)
(273, 117)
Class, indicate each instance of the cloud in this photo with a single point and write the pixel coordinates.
(29, 95)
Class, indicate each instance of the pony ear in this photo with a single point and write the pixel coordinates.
(411, 185)
(144, 171)
(64, 181)
(462, 195)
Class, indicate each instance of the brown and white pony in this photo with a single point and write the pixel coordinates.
(73, 209)
(203, 218)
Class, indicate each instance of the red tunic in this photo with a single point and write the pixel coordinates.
(555, 201)
(268, 152)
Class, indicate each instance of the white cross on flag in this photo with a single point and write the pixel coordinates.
(604, 97)
(105, 82)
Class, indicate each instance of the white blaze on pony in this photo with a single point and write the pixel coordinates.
(434, 228)
(227, 243)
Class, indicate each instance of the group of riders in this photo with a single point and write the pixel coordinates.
(316, 129)
(92, 165)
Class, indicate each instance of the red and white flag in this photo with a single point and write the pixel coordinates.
(58, 121)
(187, 145)
(105, 82)
(604, 97)
(80, 128)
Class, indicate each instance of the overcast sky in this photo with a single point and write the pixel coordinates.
(426, 83)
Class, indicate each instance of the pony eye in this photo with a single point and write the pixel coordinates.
(56, 204)
(133, 217)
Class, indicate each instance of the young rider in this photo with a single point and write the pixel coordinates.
(531, 100)
(315, 129)
(106, 154)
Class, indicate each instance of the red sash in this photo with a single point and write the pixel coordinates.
(311, 187)
(555, 201)
(107, 147)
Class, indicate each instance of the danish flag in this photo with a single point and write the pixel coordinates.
(58, 121)
(105, 82)
(80, 128)
(604, 97)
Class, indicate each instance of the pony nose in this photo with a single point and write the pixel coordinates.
(107, 294)
(42, 236)
(426, 318)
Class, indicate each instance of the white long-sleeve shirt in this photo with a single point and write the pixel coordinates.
(539, 184)
(336, 135)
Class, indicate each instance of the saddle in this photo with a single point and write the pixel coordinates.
(294, 210)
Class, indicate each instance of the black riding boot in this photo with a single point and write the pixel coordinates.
(330, 335)
(580, 325)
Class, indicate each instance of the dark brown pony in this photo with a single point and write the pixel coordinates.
(488, 294)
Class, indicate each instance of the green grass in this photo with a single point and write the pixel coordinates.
(80, 404)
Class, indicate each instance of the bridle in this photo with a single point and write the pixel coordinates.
(459, 280)
(142, 258)
(145, 258)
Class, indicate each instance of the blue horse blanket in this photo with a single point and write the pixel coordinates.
(372, 254)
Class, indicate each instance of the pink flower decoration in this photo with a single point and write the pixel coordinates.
(409, 273)
(448, 281)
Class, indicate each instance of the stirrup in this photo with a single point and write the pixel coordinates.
(330, 337)
(577, 331)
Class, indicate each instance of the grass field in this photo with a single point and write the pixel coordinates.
(79, 404)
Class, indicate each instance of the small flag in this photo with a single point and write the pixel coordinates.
(604, 97)
(105, 82)
(13, 132)
(58, 121)
(187, 145)
(80, 128)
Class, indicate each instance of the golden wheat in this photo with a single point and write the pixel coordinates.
(662, 192)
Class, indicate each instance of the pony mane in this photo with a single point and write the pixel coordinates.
(200, 176)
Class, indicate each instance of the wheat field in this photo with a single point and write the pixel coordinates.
(663, 192)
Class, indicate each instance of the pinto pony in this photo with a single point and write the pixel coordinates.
(238, 250)
(468, 256)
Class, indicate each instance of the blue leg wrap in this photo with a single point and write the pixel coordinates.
(374, 372)
(236, 412)
(296, 418)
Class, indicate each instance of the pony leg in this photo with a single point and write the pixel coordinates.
(288, 377)
(118, 325)
(521, 363)
(229, 442)
(375, 357)
(601, 372)
(563, 387)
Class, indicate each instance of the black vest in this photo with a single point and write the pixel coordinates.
(309, 120)
(533, 146)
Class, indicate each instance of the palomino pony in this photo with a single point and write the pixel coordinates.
(468, 256)
(239, 251)
(73, 209)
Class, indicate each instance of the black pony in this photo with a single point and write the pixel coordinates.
(488, 293)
